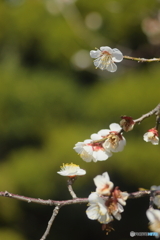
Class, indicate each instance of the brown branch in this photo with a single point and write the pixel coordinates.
(142, 59)
(59, 204)
(155, 111)
(70, 189)
(43, 202)
(54, 214)
(139, 194)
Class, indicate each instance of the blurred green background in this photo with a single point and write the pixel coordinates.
(52, 97)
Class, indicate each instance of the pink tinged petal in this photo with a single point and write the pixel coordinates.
(103, 183)
(95, 54)
(115, 127)
(117, 56)
(101, 180)
(111, 67)
(107, 49)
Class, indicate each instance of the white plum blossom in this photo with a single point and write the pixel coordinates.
(97, 209)
(151, 136)
(91, 149)
(115, 141)
(106, 58)
(154, 218)
(106, 202)
(103, 184)
(102, 144)
(71, 170)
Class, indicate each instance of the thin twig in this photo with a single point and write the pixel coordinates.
(155, 111)
(54, 214)
(142, 59)
(139, 194)
(70, 189)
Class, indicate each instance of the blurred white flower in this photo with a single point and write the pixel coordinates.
(154, 218)
(151, 136)
(114, 142)
(71, 170)
(103, 184)
(97, 209)
(105, 58)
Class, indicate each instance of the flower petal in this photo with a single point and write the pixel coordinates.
(111, 67)
(95, 137)
(115, 127)
(92, 212)
(153, 215)
(95, 53)
(117, 56)
(107, 49)
(104, 132)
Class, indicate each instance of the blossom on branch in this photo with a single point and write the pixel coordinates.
(102, 144)
(154, 218)
(97, 209)
(106, 58)
(127, 123)
(114, 141)
(92, 150)
(103, 184)
(106, 203)
(71, 170)
(151, 136)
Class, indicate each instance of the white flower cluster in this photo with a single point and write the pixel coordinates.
(106, 203)
(102, 144)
